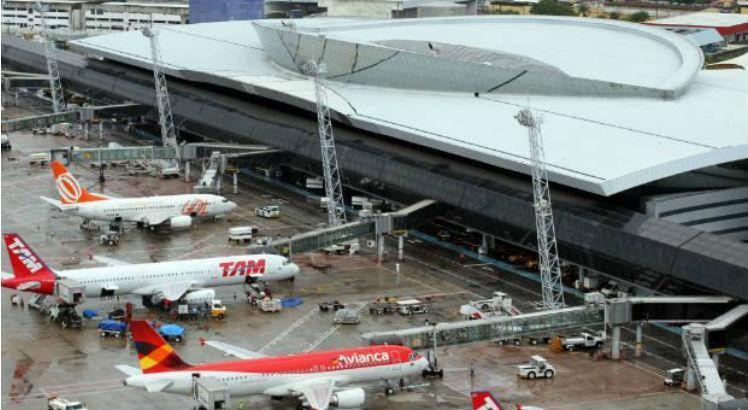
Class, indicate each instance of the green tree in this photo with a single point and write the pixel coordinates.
(639, 16)
(552, 8)
(583, 9)
(615, 15)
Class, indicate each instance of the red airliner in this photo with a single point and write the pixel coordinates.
(484, 400)
(318, 378)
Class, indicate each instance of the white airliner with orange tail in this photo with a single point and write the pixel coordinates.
(188, 280)
(483, 400)
(175, 211)
(317, 378)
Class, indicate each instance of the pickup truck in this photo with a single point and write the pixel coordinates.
(583, 341)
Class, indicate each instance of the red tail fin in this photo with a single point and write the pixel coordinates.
(71, 192)
(154, 354)
(30, 272)
(483, 400)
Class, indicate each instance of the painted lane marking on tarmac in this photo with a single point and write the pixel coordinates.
(289, 329)
(332, 330)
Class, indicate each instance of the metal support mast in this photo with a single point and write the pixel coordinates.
(168, 131)
(50, 52)
(548, 262)
(333, 184)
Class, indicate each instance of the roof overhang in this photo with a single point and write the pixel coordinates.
(602, 143)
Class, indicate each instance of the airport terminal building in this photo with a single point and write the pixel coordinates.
(646, 150)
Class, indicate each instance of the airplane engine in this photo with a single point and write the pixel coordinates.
(200, 296)
(348, 399)
(182, 221)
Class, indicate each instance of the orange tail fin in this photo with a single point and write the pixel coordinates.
(154, 353)
(71, 192)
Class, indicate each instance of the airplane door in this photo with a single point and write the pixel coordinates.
(395, 360)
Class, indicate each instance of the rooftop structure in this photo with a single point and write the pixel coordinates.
(732, 26)
(624, 104)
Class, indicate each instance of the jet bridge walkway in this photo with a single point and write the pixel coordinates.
(471, 331)
(699, 340)
(392, 222)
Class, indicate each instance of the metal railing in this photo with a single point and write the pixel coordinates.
(471, 331)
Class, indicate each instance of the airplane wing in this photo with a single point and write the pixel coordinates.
(156, 386)
(231, 350)
(109, 261)
(317, 392)
(59, 205)
(170, 291)
(32, 284)
(128, 370)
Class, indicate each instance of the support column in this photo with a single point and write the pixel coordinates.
(86, 126)
(380, 249)
(101, 130)
(484, 245)
(236, 182)
(639, 339)
(186, 171)
(615, 345)
(690, 379)
(219, 182)
(715, 359)
(400, 246)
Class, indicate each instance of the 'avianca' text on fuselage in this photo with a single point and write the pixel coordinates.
(318, 372)
(171, 279)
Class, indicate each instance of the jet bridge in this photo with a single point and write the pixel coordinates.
(380, 225)
(701, 340)
(83, 115)
(500, 327)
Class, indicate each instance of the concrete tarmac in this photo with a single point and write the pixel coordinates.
(40, 360)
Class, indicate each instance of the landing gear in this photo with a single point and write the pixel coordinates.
(388, 389)
(433, 370)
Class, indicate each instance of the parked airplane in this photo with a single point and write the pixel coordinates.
(483, 400)
(175, 211)
(316, 378)
(189, 280)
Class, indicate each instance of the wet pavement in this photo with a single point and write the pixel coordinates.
(39, 359)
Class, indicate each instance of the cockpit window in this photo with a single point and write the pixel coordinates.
(414, 356)
(286, 261)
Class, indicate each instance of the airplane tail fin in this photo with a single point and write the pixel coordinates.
(24, 261)
(154, 353)
(30, 273)
(484, 400)
(70, 190)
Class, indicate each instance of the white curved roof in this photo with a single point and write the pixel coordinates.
(599, 143)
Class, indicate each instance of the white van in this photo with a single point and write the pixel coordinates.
(242, 233)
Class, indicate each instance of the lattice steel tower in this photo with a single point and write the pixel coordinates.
(168, 131)
(333, 184)
(50, 52)
(548, 262)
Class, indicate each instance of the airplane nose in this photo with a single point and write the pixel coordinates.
(293, 269)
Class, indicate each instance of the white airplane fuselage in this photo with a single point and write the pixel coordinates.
(144, 279)
(245, 384)
(156, 209)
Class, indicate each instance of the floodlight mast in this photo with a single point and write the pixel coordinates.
(50, 53)
(333, 184)
(168, 131)
(548, 261)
